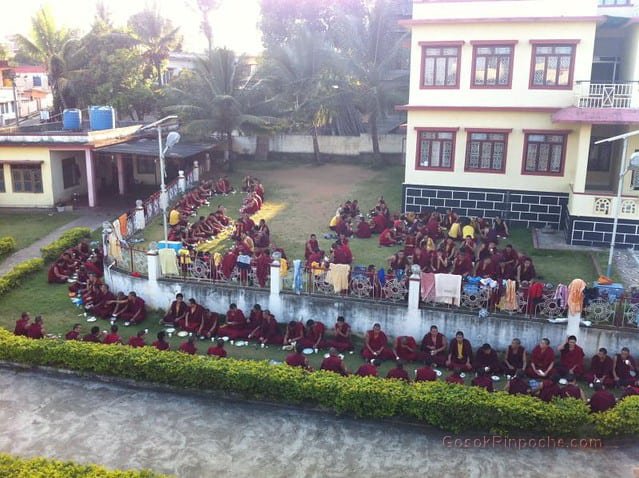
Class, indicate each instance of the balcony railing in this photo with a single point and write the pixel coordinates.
(607, 95)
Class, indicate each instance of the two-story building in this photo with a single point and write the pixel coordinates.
(507, 98)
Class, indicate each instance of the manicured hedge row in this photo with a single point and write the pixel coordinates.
(14, 277)
(7, 245)
(68, 239)
(11, 466)
(449, 407)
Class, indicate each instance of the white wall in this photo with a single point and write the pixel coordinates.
(341, 145)
(59, 192)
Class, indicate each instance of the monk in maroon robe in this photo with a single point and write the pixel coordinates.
(342, 339)
(526, 271)
(294, 333)
(134, 311)
(137, 340)
(297, 358)
(460, 353)
(486, 360)
(602, 399)
(462, 265)
(482, 380)
(333, 363)
(218, 350)
(426, 373)
(376, 345)
(112, 337)
(486, 269)
(193, 317)
(542, 361)
(387, 238)
(36, 329)
(550, 389)
(407, 350)
(363, 230)
(378, 223)
(398, 372)
(435, 345)
(74, 333)
(236, 326)
(518, 385)
(93, 336)
(572, 390)
(189, 346)
(455, 378)
(58, 273)
(228, 264)
(515, 358)
(22, 324)
(369, 369)
(311, 247)
(104, 303)
(262, 268)
(268, 333)
(161, 343)
(601, 369)
(176, 312)
(314, 335)
(624, 368)
(571, 358)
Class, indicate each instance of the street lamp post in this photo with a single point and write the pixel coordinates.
(632, 165)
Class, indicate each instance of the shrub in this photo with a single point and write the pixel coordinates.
(449, 407)
(14, 277)
(46, 468)
(68, 239)
(623, 419)
(7, 245)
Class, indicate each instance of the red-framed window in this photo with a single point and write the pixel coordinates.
(492, 65)
(486, 151)
(544, 153)
(436, 149)
(552, 65)
(441, 63)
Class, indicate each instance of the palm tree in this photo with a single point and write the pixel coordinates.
(157, 37)
(372, 50)
(217, 100)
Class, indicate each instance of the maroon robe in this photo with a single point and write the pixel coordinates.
(404, 352)
(262, 269)
(294, 331)
(462, 266)
(22, 326)
(188, 348)
(333, 364)
(192, 321)
(112, 338)
(136, 342)
(571, 391)
(527, 273)
(135, 311)
(312, 246)
(54, 272)
(518, 386)
(176, 311)
(398, 374)
(425, 374)
(367, 370)
(515, 358)
(486, 270)
(490, 360)
(458, 362)
(601, 401)
(483, 381)
(217, 351)
(72, 335)
(236, 326)
(342, 344)
(623, 370)
(363, 230)
(549, 391)
(455, 379)
(600, 370)
(572, 358)
(161, 345)
(101, 308)
(296, 360)
(312, 336)
(34, 331)
(386, 238)
(542, 360)
(95, 338)
(429, 343)
(377, 342)
(269, 332)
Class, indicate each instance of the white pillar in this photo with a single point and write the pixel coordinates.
(181, 181)
(138, 218)
(153, 259)
(572, 326)
(196, 171)
(207, 163)
(276, 283)
(119, 159)
(275, 299)
(88, 160)
(413, 292)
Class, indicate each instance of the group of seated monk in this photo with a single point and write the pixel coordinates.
(100, 302)
(254, 198)
(348, 221)
(76, 264)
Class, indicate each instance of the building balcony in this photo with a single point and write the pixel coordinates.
(603, 204)
(607, 95)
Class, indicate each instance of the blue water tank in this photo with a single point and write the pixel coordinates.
(101, 117)
(72, 119)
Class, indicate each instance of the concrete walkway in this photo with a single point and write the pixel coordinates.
(90, 218)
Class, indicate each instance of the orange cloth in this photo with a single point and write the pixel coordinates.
(123, 224)
(576, 296)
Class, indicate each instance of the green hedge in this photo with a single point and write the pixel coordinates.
(14, 467)
(14, 277)
(449, 407)
(68, 239)
(623, 419)
(7, 245)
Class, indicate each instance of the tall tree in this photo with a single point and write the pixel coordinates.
(158, 39)
(374, 55)
(205, 7)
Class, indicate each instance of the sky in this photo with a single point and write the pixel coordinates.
(235, 22)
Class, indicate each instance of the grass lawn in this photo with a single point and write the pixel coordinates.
(28, 227)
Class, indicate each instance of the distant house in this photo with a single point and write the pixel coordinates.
(32, 91)
(507, 98)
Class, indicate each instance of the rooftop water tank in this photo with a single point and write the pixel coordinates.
(101, 117)
(72, 119)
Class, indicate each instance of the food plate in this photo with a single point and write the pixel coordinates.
(91, 319)
(226, 339)
(307, 351)
(495, 378)
(327, 355)
(462, 375)
(182, 333)
(438, 372)
(170, 330)
(240, 343)
(70, 281)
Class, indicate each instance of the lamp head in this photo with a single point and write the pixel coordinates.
(633, 164)
(172, 139)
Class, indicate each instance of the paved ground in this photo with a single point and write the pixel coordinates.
(90, 218)
(74, 419)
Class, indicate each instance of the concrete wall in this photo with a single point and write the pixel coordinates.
(394, 318)
(39, 155)
(341, 145)
(57, 182)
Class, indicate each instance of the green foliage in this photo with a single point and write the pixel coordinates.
(449, 407)
(11, 466)
(14, 277)
(7, 245)
(68, 239)
(623, 419)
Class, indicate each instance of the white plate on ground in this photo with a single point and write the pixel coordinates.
(240, 343)
(307, 351)
(462, 375)
(226, 339)
(170, 330)
(91, 319)
(182, 333)
(327, 355)
(438, 372)
(70, 281)
(495, 378)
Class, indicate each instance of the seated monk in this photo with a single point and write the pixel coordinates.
(407, 350)
(58, 273)
(516, 358)
(294, 333)
(542, 361)
(22, 324)
(189, 346)
(103, 303)
(113, 337)
(193, 317)
(94, 335)
(602, 399)
(378, 223)
(387, 238)
(376, 345)
(81, 281)
(134, 311)
(314, 335)
(255, 317)
(572, 390)
(518, 385)
(210, 324)
(455, 378)
(486, 268)
(74, 333)
(398, 372)
(137, 340)
(435, 346)
(342, 339)
(571, 358)
(486, 359)
(36, 329)
(91, 289)
(333, 363)
(549, 389)
(426, 373)
(482, 380)
(262, 267)
(363, 229)
(297, 358)
(601, 369)
(369, 369)
(161, 343)
(218, 350)
(526, 271)
(459, 353)
(311, 247)
(268, 332)
(624, 369)
(463, 264)
(236, 326)
(176, 312)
